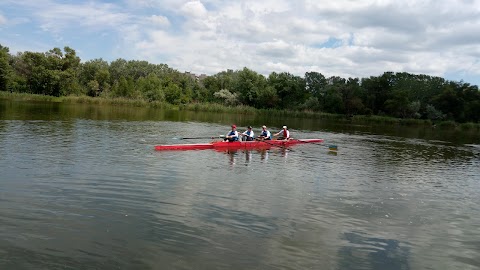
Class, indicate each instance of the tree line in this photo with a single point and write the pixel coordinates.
(401, 94)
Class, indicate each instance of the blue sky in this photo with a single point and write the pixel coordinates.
(344, 38)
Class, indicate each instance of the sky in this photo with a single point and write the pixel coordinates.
(346, 38)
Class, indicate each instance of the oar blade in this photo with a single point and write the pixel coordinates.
(332, 148)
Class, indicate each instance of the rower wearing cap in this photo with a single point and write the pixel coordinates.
(284, 134)
(265, 135)
(232, 135)
(248, 134)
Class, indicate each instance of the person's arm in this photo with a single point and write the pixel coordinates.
(230, 135)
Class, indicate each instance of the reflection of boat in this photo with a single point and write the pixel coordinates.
(236, 145)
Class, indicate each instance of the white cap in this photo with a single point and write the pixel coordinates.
(264, 126)
(284, 127)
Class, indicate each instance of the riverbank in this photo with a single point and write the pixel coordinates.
(242, 109)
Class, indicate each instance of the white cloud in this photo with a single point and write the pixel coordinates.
(194, 9)
(140, 3)
(3, 20)
(160, 42)
(267, 6)
(276, 49)
(92, 15)
(337, 38)
(158, 20)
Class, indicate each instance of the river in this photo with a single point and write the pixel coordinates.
(81, 187)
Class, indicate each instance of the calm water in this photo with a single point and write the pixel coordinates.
(82, 188)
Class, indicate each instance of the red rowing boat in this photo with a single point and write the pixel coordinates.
(236, 145)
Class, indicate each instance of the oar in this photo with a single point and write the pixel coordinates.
(330, 147)
(195, 138)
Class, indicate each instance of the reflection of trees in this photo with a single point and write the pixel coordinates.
(404, 152)
(373, 253)
(39, 110)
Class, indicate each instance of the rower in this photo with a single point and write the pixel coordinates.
(248, 134)
(285, 134)
(232, 136)
(265, 135)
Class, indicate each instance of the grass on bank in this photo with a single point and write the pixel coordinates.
(242, 109)
(84, 100)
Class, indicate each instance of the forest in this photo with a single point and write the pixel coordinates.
(396, 94)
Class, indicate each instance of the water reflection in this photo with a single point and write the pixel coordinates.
(239, 155)
(247, 156)
(362, 252)
(78, 174)
(264, 155)
(57, 111)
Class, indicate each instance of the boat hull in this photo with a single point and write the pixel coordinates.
(236, 145)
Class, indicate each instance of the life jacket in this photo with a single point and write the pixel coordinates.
(233, 133)
(285, 133)
(249, 137)
(265, 134)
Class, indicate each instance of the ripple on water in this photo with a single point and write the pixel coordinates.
(379, 202)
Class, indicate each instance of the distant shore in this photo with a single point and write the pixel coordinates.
(241, 109)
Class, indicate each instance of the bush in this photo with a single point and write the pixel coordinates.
(447, 124)
(469, 126)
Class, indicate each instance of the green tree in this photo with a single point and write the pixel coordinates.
(450, 103)
(472, 111)
(95, 73)
(267, 97)
(210, 86)
(315, 84)
(199, 93)
(227, 97)
(432, 113)
(70, 60)
(333, 102)
(117, 69)
(352, 95)
(151, 88)
(290, 89)
(51, 73)
(312, 104)
(471, 95)
(397, 104)
(173, 93)
(247, 84)
(125, 87)
(377, 91)
(5, 69)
